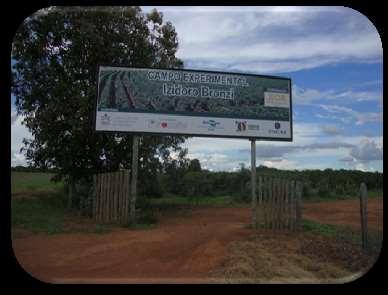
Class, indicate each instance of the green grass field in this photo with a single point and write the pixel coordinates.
(32, 183)
(39, 205)
(175, 201)
(44, 213)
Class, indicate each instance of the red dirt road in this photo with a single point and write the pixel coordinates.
(181, 249)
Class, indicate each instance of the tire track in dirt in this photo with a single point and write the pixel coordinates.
(180, 247)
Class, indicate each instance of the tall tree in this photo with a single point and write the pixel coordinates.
(56, 52)
(194, 165)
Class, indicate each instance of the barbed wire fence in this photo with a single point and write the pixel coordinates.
(368, 234)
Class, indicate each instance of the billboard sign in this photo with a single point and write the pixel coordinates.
(191, 102)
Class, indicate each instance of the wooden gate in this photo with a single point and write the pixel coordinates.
(111, 197)
(279, 204)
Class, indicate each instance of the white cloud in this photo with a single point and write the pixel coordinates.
(272, 39)
(18, 133)
(348, 115)
(312, 148)
(14, 117)
(282, 164)
(367, 151)
(218, 161)
(309, 96)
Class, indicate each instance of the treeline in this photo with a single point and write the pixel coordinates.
(187, 178)
(193, 181)
(33, 169)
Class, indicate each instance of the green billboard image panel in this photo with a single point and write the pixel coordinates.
(193, 102)
(191, 93)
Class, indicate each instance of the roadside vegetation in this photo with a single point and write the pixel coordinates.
(39, 204)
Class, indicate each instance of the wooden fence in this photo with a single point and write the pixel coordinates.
(279, 204)
(111, 197)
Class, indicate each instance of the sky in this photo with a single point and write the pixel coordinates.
(334, 58)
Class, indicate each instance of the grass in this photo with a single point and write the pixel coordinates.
(46, 214)
(269, 258)
(42, 214)
(175, 201)
(32, 183)
(375, 194)
(319, 228)
(345, 233)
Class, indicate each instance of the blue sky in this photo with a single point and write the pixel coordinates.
(333, 56)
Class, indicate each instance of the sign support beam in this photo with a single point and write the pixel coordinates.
(135, 158)
(253, 183)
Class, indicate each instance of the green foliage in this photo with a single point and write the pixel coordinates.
(43, 214)
(196, 183)
(46, 214)
(33, 182)
(56, 53)
(317, 184)
(319, 228)
(180, 201)
(194, 166)
(173, 173)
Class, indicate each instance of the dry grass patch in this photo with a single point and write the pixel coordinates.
(281, 258)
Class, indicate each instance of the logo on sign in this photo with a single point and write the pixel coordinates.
(241, 126)
(163, 124)
(211, 124)
(277, 125)
(255, 127)
(105, 119)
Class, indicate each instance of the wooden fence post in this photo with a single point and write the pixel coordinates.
(117, 191)
(135, 156)
(364, 215)
(298, 206)
(127, 191)
(272, 203)
(259, 204)
(253, 183)
(293, 206)
(283, 204)
(105, 197)
(286, 205)
(94, 196)
(120, 197)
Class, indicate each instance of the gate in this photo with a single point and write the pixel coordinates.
(111, 197)
(279, 204)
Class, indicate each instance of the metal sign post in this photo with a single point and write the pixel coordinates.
(253, 183)
(135, 156)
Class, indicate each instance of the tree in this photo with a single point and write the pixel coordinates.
(194, 165)
(56, 52)
(174, 171)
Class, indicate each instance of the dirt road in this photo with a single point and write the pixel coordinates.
(181, 249)
(345, 212)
